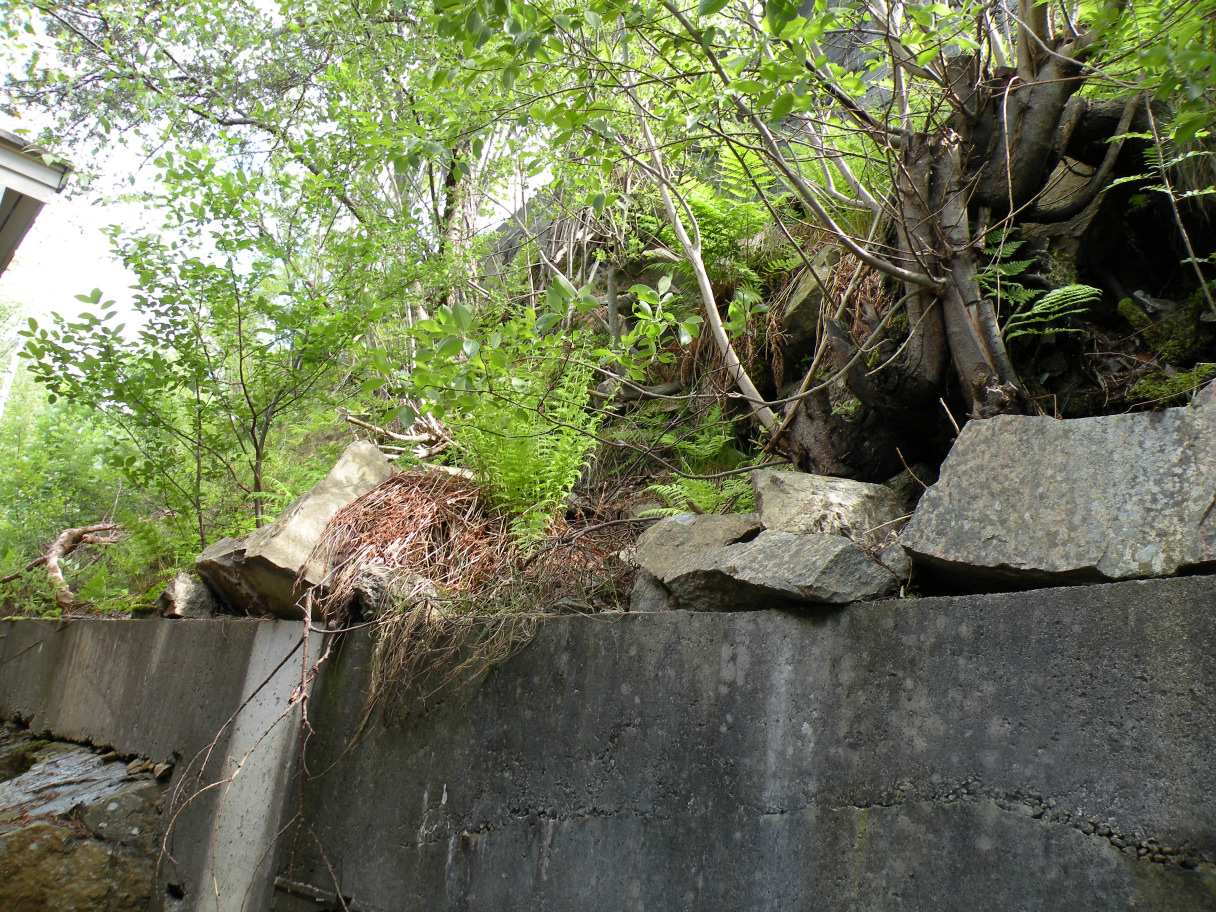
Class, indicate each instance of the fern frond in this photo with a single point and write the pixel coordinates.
(1050, 313)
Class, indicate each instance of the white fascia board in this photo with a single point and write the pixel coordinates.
(24, 170)
(26, 186)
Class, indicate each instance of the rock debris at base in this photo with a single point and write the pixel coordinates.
(78, 832)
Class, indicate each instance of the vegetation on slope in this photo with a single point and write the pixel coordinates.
(334, 180)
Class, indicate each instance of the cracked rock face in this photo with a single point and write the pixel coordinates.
(1035, 501)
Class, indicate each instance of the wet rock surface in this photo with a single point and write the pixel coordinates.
(1028, 502)
(78, 832)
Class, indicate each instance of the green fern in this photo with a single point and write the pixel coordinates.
(1050, 312)
(707, 450)
(528, 443)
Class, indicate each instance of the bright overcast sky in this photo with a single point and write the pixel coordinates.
(65, 254)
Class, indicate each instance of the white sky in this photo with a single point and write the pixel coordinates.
(65, 254)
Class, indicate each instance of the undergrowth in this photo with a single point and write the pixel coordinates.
(709, 448)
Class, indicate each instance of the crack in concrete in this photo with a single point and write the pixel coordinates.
(1046, 810)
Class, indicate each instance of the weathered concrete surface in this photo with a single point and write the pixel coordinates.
(1045, 750)
(200, 693)
(1035, 501)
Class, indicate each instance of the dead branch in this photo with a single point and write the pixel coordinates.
(67, 542)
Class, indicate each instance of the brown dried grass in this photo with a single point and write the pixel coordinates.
(459, 594)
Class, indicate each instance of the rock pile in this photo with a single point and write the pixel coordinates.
(815, 540)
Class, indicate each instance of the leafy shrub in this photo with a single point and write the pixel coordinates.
(528, 439)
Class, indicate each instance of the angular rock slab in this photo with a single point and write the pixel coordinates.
(1036, 501)
(221, 568)
(674, 540)
(776, 570)
(260, 570)
(819, 504)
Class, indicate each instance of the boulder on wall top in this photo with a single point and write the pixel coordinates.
(807, 546)
(1027, 502)
(258, 572)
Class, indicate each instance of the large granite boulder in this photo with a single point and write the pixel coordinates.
(260, 571)
(1034, 501)
(819, 504)
(727, 563)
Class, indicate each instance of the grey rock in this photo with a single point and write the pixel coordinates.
(910, 485)
(1205, 398)
(1035, 501)
(777, 569)
(186, 597)
(800, 315)
(649, 593)
(896, 559)
(221, 568)
(259, 573)
(673, 539)
(277, 554)
(819, 504)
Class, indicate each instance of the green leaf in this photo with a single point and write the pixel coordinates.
(782, 106)
(462, 317)
(709, 7)
(449, 347)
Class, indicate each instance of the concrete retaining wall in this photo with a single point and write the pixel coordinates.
(199, 694)
(1043, 750)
